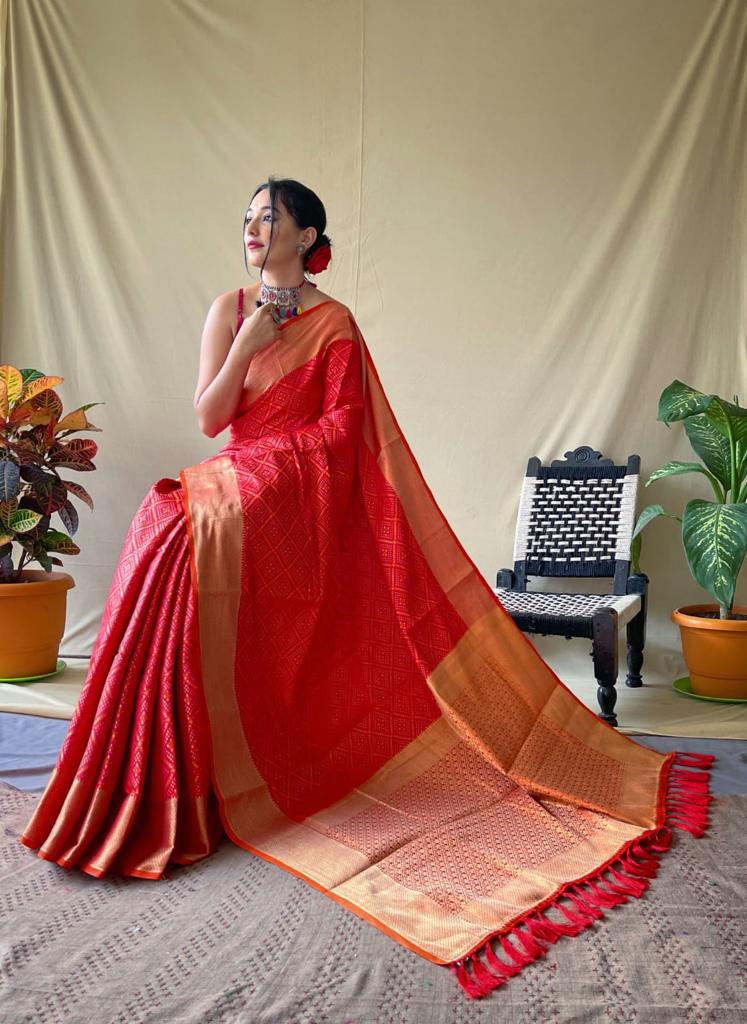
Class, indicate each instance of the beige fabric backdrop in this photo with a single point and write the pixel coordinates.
(538, 213)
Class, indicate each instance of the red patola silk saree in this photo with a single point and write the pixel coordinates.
(296, 650)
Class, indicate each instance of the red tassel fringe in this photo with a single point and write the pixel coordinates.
(687, 803)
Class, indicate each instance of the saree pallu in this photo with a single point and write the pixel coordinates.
(296, 650)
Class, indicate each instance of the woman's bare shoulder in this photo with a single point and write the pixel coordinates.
(320, 296)
(226, 305)
(230, 298)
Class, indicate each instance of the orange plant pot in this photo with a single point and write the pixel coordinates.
(715, 651)
(32, 621)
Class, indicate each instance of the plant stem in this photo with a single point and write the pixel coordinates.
(720, 495)
(733, 460)
(20, 566)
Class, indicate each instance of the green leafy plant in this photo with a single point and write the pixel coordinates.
(714, 533)
(34, 445)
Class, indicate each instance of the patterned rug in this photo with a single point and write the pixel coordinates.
(235, 939)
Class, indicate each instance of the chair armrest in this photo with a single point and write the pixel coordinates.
(506, 578)
(637, 583)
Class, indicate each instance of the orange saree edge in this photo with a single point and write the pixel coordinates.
(327, 892)
(483, 581)
(90, 869)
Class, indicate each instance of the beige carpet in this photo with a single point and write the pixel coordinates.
(55, 697)
(654, 708)
(235, 939)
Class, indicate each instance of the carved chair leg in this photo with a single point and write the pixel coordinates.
(604, 653)
(636, 629)
(635, 637)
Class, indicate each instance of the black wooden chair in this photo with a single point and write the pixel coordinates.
(576, 519)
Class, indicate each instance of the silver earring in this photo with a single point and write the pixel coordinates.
(301, 248)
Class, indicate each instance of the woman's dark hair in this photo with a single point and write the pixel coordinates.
(304, 206)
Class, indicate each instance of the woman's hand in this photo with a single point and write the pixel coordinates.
(259, 329)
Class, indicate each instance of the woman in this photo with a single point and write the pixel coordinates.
(297, 650)
(226, 352)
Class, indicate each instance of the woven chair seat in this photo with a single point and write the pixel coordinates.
(580, 606)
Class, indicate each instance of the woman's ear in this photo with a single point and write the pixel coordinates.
(309, 237)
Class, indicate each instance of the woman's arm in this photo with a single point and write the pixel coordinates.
(224, 361)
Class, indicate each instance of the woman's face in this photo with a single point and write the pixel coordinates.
(261, 223)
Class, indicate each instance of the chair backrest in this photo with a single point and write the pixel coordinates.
(576, 518)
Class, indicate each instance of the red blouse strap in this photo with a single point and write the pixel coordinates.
(240, 311)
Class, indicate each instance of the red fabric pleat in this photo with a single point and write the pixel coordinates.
(131, 788)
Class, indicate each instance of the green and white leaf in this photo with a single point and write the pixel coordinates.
(676, 468)
(711, 445)
(727, 418)
(24, 520)
(678, 401)
(715, 541)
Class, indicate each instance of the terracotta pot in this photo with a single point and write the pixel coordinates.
(715, 650)
(32, 621)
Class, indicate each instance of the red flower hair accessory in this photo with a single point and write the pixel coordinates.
(319, 259)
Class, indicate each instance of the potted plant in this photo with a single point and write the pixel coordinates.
(34, 446)
(714, 535)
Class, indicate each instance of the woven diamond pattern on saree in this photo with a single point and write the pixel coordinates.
(296, 650)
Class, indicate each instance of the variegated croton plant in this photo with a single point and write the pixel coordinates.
(714, 533)
(35, 444)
